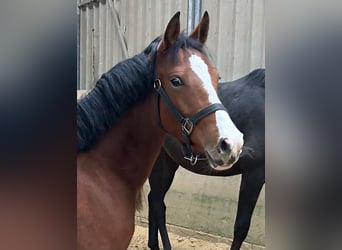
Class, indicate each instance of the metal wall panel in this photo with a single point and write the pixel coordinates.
(97, 42)
(236, 38)
(139, 23)
(142, 21)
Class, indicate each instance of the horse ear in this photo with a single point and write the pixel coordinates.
(200, 33)
(171, 33)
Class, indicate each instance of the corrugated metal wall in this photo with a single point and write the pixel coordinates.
(236, 37)
(112, 29)
(143, 21)
(139, 23)
(99, 49)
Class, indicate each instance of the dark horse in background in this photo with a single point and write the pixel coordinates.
(245, 101)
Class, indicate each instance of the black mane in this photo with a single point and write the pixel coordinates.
(118, 89)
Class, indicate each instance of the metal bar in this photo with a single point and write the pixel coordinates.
(194, 13)
(190, 15)
(78, 48)
(197, 12)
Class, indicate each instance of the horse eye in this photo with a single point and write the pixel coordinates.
(176, 82)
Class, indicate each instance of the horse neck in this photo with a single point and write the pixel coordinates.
(130, 148)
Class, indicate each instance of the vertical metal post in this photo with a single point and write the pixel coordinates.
(194, 13)
(190, 15)
(78, 45)
(198, 7)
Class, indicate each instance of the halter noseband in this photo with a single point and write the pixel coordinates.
(187, 124)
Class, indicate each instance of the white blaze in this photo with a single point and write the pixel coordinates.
(224, 124)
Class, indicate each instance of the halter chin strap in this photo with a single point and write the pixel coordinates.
(187, 124)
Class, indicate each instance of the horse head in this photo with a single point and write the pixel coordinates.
(188, 105)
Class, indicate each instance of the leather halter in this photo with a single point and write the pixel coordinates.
(187, 123)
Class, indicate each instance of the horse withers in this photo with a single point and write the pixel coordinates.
(245, 101)
(170, 87)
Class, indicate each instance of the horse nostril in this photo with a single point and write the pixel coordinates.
(224, 145)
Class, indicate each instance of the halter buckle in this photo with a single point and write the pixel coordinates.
(157, 84)
(187, 126)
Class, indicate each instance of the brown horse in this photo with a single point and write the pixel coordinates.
(122, 122)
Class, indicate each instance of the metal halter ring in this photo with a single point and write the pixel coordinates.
(193, 159)
(157, 84)
(187, 126)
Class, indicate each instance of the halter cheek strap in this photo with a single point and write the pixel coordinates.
(187, 124)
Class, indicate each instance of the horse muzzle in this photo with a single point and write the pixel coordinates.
(225, 154)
